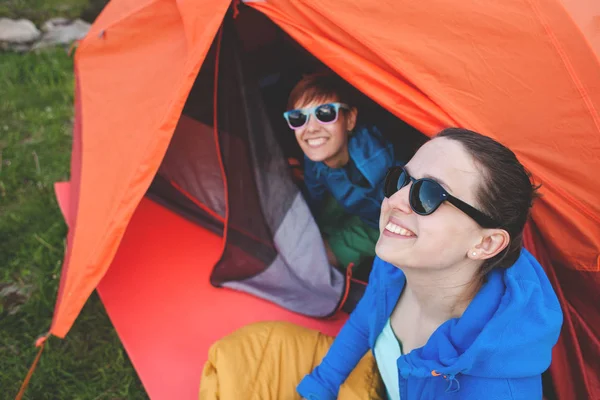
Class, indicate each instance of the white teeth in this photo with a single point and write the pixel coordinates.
(316, 142)
(398, 230)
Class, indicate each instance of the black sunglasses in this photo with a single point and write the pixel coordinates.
(426, 195)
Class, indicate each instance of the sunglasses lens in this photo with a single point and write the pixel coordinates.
(403, 180)
(326, 113)
(296, 118)
(426, 197)
(395, 180)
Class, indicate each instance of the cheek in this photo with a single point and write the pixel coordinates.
(445, 226)
(446, 238)
(443, 240)
(383, 215)
(337, 130)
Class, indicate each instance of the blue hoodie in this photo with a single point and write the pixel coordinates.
(497, 350)
(372, 155)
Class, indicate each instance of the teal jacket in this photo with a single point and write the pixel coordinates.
(371, 156)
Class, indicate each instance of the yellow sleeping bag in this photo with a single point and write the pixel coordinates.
(268, 360)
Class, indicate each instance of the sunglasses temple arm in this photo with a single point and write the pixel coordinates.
(479, 217)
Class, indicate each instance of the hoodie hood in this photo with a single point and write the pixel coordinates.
(507, 331)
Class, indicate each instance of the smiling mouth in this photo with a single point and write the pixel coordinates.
(317, 142)
(398, 230)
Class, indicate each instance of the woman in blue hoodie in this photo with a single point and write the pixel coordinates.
(455, 307)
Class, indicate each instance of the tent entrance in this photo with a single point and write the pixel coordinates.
(236, 180)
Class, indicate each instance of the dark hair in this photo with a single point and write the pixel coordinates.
(507, 192)
(321, 86)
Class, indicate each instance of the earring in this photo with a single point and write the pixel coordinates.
(474, 253)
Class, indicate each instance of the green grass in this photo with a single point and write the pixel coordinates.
(39, 11)
(36, 111)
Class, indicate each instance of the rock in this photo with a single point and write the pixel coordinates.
(54, 23)
(63, 34)
(18, 31)
(13, 296)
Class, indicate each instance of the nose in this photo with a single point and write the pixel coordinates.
(312, 125)
(400, 200)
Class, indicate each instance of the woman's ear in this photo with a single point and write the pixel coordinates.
(492, 243)
(351, 116)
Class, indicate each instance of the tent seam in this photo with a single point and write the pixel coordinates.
(581, 32)
(219, 38)
(567, 64)
(71, 225)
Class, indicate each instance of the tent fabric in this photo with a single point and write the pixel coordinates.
(300, 278)
(167, 323)
(130, 105)
(283, 258)
(575, 361)
(585, 14)
(524, 72)
(193, 141)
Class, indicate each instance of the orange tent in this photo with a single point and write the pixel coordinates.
(525, 72)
